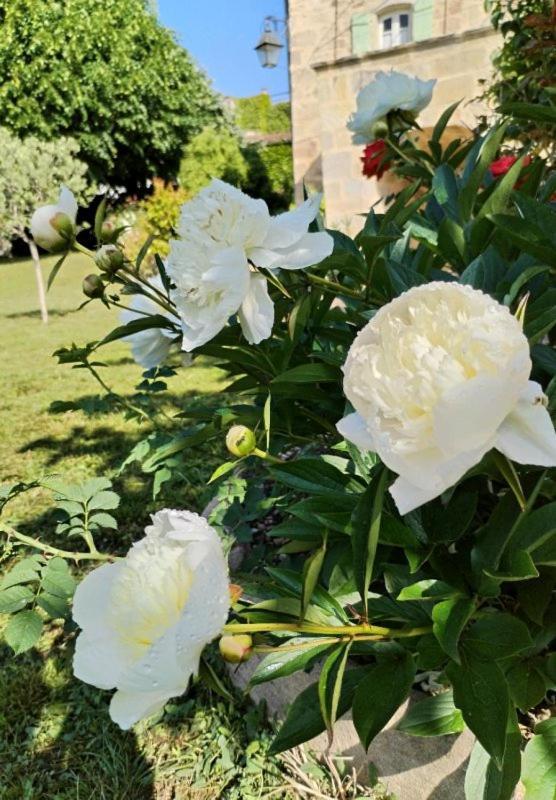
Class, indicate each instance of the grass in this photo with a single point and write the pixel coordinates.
(56, 739)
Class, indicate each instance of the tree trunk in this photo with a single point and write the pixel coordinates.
(40, 283)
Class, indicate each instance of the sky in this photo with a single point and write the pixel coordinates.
(221, 35)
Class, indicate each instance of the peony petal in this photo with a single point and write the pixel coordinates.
(408, 497)
(468, 415)
(527, 434)
(67, 203)
(127, 708)
(256, 314)
(286, 229)
(195, 337)
(91, 601)
(353, 429)
(311, 249)
(100, 660)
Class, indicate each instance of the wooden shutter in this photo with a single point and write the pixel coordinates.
(422, 19)
(361, 34)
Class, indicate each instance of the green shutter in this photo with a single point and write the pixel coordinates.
(422, 19)
(360, 34)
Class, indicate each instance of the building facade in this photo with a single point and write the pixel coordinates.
(335, 48)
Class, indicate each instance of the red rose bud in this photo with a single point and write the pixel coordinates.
(373, 158)
(503, 164)
(236, 649)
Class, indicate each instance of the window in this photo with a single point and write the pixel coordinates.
(395, 29)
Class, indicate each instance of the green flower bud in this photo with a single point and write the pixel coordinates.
(109, 258)
(236, 649)
(93, 286)
(108, 233)
(240, 441)
(63, 225)
(380, 129)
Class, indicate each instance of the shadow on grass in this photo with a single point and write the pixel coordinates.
(57, 739)
(80, 442)
(35, 313)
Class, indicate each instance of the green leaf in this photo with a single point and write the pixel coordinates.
(475, 172)
(539, 762)
(57, 579)
(310, 576)
(443, 120)
(380, 694)
(365, 532)
(55, 606)
(290, 657)
(449, 619)
(499, 198)
(304, 720)
(309, 373)
(292, 581)
(54, 271)
(23, 631)
(330, 685)
(529, 111)
(222, 470)
(104, 500)
(311, 475)
(527, 685)
(496, 636)
(100, 214)
(14, 599)
(435, 716)
(212, 680)
(136, 326)
(483, 779)
(481, 693)
(103, 520)
(24, 571)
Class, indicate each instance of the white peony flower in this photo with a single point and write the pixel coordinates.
(388, 91)
(438, 378)
(53, 226)
(146, 619)
(149, 347)
(224, 235)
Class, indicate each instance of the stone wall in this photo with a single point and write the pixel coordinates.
(326, 77)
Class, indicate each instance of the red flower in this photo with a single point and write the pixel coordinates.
(374, 165)
(504, 164)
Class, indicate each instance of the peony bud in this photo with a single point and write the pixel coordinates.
(236, 649)
(93, 286)
(108, 232)
(109, 258)
(380, 129)
(53, 227)
(240, 441)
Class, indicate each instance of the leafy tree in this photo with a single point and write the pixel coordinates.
(524, 66)
(107, 74)
(31, 172)
(259, 113)
(212, 154)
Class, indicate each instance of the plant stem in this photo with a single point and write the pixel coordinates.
(82, 249)
(55, 551)
(327, 630)
(332, 286)
(265, 456)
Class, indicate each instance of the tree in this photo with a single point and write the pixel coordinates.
(31, 172)
(525, 66)
(106, 74)
(212, 154)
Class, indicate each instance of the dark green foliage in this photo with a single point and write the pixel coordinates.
(108, 75)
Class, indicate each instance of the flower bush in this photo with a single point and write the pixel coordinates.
(392, 395)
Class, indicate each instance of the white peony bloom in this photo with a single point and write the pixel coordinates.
(149, 347)
(224, 235)
(146, 619)
(53, 226)
(438, 378)
(388, 91)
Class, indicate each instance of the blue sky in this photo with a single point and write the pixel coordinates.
(221, 35)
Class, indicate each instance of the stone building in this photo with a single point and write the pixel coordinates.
(335, 48)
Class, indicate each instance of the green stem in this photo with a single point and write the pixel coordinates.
(327, 630)
(332, 286)
(265, 456)
(154, 294)
(82, 249)
(55, 551)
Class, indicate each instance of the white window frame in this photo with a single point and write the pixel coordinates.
(398, 35)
